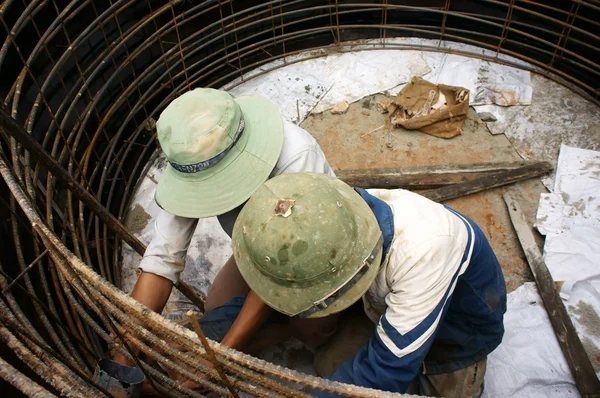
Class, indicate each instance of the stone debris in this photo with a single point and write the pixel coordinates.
(487, 117)
(340, 108)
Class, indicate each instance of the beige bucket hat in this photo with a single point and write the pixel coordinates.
(220, 150)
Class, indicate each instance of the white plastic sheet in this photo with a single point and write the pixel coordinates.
(529, 362)
(489, 83)
(317, 84)
(570, 217)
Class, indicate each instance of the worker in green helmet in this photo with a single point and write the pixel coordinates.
(309, 246)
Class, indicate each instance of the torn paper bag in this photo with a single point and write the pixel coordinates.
(438, 110)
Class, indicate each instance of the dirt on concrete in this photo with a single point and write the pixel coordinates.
(593, 353)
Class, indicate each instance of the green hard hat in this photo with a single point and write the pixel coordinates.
(307, 244)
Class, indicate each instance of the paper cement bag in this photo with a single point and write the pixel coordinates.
(438, 110)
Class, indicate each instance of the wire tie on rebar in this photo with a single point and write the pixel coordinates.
(26, 270)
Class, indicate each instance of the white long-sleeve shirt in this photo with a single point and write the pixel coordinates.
(165, 255)
(438, 299)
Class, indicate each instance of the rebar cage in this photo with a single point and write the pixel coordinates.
(84, 81)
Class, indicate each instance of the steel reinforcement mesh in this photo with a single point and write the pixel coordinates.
(82, 83)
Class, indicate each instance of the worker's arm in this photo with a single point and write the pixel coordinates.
(152, 290)
(253, 315)
(162, 263)
(166, 253)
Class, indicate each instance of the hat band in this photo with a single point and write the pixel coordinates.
(327, 301)
(206, 164)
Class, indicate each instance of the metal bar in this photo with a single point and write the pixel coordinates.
(22, 382)
(29, 267)
(11, 127)
(211, 354)
(57, 377)
(444, 18)
(505, 26)
(44, 351)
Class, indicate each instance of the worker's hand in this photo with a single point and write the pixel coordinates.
(115, 354)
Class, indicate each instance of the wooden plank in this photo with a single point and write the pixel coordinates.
(426, 177)
(576, 356)
(495, 180)
(12, 128)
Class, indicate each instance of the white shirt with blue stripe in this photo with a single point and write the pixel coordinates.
(431, 248)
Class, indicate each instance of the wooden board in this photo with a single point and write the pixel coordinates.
(495, 180)
(428, 177)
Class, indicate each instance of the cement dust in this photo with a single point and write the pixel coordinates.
(137, 219)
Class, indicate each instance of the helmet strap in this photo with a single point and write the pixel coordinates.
(362, 270)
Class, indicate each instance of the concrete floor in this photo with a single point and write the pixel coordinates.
(340, 135)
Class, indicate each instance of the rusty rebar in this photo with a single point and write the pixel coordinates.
(22, 274)
(84, 83)
(22, 382)
(211, 354)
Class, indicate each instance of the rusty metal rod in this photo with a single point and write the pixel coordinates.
(211, 354)
(29, 267)
(8, 125)
(22, 382)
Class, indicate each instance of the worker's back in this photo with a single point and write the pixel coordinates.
(439, 296)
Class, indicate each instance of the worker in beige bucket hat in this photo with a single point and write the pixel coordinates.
(220, 150)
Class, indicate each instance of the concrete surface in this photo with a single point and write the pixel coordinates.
(556, 116)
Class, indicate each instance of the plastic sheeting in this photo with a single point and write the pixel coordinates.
(314, 85)
(570, 217)
(529, 362)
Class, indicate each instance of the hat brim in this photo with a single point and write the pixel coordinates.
(234, 178)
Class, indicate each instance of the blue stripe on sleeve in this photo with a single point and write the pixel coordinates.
(404, 340)
(375, 366)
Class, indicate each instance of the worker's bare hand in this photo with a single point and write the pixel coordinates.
(115, 354)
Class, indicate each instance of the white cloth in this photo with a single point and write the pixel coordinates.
(426, 253)
(165, 255)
